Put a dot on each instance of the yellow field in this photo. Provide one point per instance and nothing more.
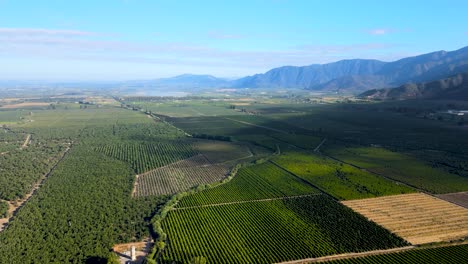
(28, 104)
(419, 218)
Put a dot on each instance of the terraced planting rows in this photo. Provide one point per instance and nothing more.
(270, 231)
(441, 255)
(259, 181)
(418, 218)
(147, 156)
(401, 167)
(179, 176)
(342, 181)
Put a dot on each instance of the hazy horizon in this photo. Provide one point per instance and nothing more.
(132, 40)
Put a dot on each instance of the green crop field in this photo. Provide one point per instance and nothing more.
(145, 156)
(439, 255)
(185, 108)
(401, 167)
(259, 193)
(271, 231)
(340, 180)
(260, 181)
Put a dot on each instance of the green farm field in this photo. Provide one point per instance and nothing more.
(340, 180)
(400, 167)
(275, 196)
(443, 255)
(271, 231)
(261, 181)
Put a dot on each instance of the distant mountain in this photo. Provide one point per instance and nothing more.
(180, 82)
(191, 80)
(360, 75)
(455, 87)
(309, 76)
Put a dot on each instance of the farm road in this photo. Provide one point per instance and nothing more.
(251, 124)
(249, 201)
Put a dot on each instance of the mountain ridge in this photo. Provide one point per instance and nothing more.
(454, 87)
(361, 74)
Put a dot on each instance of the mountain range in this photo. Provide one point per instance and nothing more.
(455, 87)
(346, 76)
(361, 75)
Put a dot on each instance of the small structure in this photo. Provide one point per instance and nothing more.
(133, 253)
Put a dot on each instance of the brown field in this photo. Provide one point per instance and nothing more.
(419, 218)
(460, 198)
(21, 105)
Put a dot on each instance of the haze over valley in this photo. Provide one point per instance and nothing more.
(262, 131)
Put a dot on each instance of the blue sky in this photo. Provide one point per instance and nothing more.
(138, 39)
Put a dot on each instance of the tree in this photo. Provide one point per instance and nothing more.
(198, 260)
(113, 259)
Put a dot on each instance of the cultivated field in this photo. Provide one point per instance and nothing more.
(418, 218)
(24, 105)
(261, 181)
(439, 255)
(145, 156)
(460, 198)
(220, 151)
(342, 181)
(400, 167)
(271, 231)
(179, 176)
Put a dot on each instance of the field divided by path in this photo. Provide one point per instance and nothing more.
(400, 167)
(438, 255)
(260, 181)
(419, 218)
(342, 181)
(271, 231)
(179, 176)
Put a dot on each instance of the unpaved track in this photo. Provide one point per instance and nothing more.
(26, 141)
(251, 124)
(249, 201)
(14, 207)
(317, 149)
(348, 255)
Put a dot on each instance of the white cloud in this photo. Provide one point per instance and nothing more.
(379, 31)
(43, 32)
(65, 45)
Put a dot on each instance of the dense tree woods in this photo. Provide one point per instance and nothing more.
(21, 168)
(82, 210)
(85, 205)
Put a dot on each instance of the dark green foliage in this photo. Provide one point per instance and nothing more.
(21, 168)
(212, 137)
(81, 211)
(338, 222)
(270, 232)
(145, 156)
(3, 209)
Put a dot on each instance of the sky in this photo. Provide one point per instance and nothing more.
(105, 40)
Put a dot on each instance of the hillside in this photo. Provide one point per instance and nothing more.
(309, 76)
(455, 87)
(360, 75)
